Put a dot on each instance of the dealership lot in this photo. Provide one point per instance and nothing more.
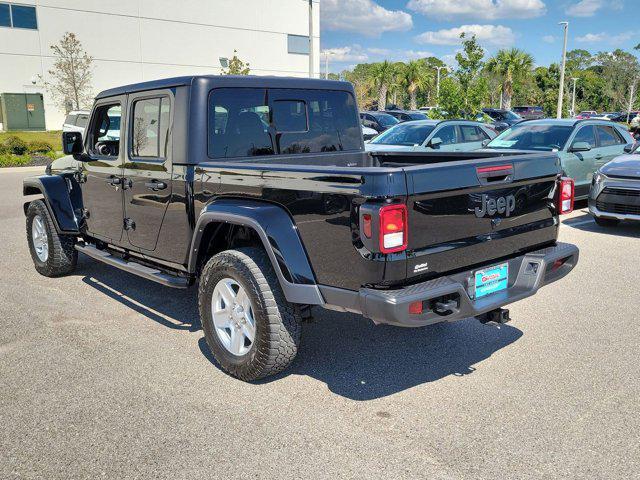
(103, 373)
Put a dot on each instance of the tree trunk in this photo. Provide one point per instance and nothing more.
(413, 100)
(507, 93)
(382, 99)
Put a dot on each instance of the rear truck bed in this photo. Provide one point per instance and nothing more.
(468, 237)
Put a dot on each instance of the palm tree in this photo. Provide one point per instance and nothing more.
(509, 65)
(414, 78)
(383, 77)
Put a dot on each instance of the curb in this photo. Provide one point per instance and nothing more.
(22, 169)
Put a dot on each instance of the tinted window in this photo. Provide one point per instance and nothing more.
(5, 15)
(532, 137)
(298, 44)
(24, 17)
(104, 137)
(608, 136)
(150, 127)
(404, 134)
(236, 123)
(332, 124)
(447, 134)
(386, 120)
(586, 134)
(471, 133)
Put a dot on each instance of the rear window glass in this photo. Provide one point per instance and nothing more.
(408, 134)
(608, 136)
(533, 137)
(253, 122)
(471, 133)
(82, 120)
(150, 127)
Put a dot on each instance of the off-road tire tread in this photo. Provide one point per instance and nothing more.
(278, 344)
(63, 257)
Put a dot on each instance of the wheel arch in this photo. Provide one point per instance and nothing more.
(268, 226)
(55, 190)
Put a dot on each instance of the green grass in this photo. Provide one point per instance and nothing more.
(53, 137)
(10, 160)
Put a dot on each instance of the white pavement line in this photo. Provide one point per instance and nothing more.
(22, 169)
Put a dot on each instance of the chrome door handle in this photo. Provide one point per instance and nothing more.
(155, 185)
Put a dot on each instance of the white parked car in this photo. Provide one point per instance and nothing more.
(368, 133)
(76, 121)
(433, 135)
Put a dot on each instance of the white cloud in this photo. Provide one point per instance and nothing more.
(588, 8)
(482, 9)
(365, 17)
(353, 53)
(603, 37)
(379, 51)
(487, 34)
(592, 37)
(549, 39)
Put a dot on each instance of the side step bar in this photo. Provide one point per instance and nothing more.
(132, 267)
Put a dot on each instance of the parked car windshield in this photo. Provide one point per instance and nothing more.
(418, 116)
(386, 120)
(533, 137)
(404, 134)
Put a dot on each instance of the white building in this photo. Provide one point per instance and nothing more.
(137, 40)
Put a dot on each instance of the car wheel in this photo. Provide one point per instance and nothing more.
(606, 222)
(251, 329)
(53, 254)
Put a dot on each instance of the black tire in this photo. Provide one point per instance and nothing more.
(606, 222)
(278, 323)
(62, 256)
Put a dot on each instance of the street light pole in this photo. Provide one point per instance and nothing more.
(573, 97)
(326, 64)
(438, 84)
(564, 61)
(311, 62)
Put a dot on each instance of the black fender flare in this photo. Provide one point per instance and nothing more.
(279, 237)
(60, 194)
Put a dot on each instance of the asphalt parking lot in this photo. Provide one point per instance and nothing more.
(103, 374)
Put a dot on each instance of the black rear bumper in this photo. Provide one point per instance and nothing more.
(527, 273)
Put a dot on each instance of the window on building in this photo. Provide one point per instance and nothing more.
(298, 44)
(5, 15)
(23, 16)
(150, 128)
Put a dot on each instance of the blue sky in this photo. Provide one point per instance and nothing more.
(357, 31)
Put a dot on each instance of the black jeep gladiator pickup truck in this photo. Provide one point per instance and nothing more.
(259, 191)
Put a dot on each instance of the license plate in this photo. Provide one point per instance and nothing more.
(492, 279)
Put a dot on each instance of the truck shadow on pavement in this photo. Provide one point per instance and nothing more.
(353, 357)
(586, 223)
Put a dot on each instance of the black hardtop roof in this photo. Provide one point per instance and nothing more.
(229, 81)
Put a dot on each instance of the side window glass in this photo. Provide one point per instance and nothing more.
(104, 137)
(471, 133)
(447, 134)
(69, 120)
(608, 136)
(239, 123)
(585, 134)
(150, 127)
(82, 120)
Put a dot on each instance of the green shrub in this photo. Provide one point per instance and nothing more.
(15, 145)
(7, 160)
(37, 146)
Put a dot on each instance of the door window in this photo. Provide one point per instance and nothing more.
(608, 136)
(150, 127)
(471, 133)
(447, 134)
(586, 134)
(104, 137)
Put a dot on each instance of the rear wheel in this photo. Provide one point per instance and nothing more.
(53, 254)
(251, 329)
(606, 222)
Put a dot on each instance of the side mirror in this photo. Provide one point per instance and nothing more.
(71, 143)
(580, 147)
(435, 142)
(630, 147)
(485, 142)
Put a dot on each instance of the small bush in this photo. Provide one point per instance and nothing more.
(7, 160)
(15, 145)
(37, 146)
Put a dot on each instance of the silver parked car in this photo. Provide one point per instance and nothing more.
(432, 135)
(76, 121)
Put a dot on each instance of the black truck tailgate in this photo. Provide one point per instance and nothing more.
(472, 212)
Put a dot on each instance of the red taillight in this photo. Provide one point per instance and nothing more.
(566, 193)
(415, 308)
(494, 168)
(393, 228)
(366, 225)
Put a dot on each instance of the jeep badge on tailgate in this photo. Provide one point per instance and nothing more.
(492, 206)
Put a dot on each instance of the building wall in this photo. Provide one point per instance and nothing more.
(137, 40)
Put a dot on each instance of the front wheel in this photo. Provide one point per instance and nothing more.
(251, 329)
(606, 222)
(53, 254)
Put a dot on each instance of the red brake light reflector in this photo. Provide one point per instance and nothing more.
(566, 194)
(415, 308)
(495, 168)
(393, 228)
(366, 225)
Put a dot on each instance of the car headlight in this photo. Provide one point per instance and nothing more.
(597, 178)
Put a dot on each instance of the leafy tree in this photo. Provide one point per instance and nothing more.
(451, 103)
(383, 76)
(469, 67)
(621, 69)
(236, 66)
(362, 79)
(510, 65)
(415, 77)
(70, 78)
